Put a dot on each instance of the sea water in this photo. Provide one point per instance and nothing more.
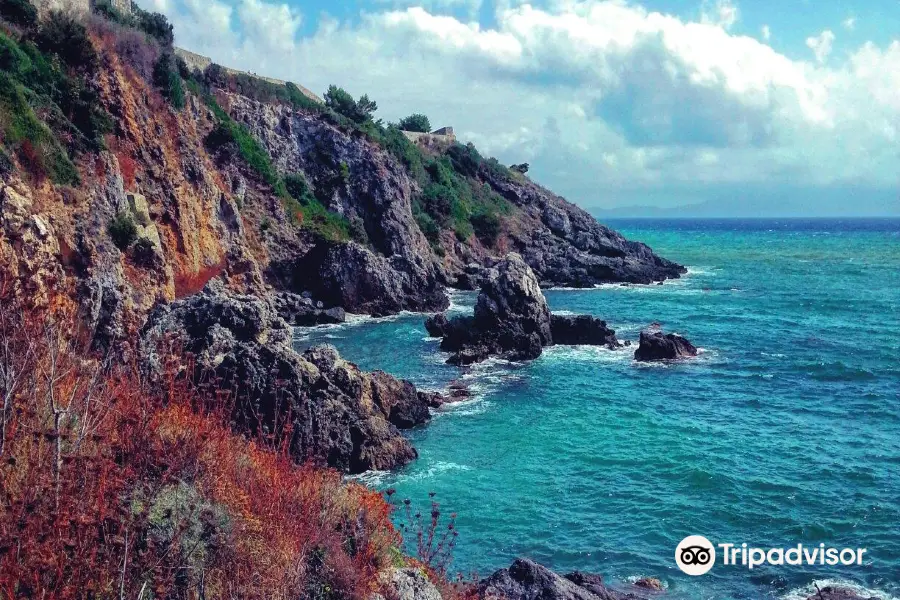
(785, 430)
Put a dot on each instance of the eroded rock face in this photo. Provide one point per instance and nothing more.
(304, 312)
(341, 416)
(412, 584)
(659, 346)
(351, 276)
(582, 330)
(527, 580)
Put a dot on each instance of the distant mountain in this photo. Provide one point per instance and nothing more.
(821, 202)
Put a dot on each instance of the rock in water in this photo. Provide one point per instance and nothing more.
(659, 346)
(512, 320)
(300, 311)
(527, 580)
(839, 593)
(341, 416)
(512, 305)
(583, 329)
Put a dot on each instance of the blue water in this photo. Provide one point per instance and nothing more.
(785, 430)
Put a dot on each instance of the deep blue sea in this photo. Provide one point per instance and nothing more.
(785, 430)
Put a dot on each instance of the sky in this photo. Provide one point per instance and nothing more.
(752, 108)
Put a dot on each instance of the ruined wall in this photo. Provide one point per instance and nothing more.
(198, 61)
(430, 139)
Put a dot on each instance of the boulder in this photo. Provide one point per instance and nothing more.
(436, 325)
(413, 584)
(339, 415)
(527, 580)
(582, 330)
(839, 593)
(660, 346)
(650, 583)
(301, 312)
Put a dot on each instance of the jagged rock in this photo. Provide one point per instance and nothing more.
(340, 415)
(299, 311)
(527, 580)
(839, 593)
(659, 346)
(413, 584)
(512, 320)
(436, 325)
(582, 329)
(432, 399)
(349, 275)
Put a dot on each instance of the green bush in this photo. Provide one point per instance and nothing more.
(298, 188)
(62, 35)
(19, 12)
(122, 230)
(415, 122)
(358, 111)
(167, 78)
(486, 227)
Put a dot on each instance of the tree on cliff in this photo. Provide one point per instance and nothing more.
(340, 101)
(416, 122)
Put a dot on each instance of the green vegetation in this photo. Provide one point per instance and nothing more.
(122, 230)
(415, 122)
(167, 78)
(154, 25)
(341, 102)
(298, 201)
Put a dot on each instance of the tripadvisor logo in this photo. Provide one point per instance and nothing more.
(696, 555)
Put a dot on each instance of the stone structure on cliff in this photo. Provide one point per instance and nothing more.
(444, 135)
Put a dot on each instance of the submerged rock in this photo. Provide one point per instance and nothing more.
(583, 329)
(660, 346)
(339, 415)
(527, 580)
(650, 583)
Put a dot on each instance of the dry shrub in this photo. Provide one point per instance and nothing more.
(113, 487)
(133, 47)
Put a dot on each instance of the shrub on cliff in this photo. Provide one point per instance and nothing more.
(60, 34)
(19, 12)
(340, 101)
(167, 78)
(415, 122)
(114, 487)
(123, 230)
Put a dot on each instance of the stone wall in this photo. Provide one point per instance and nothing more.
(74, 6)
(430, 139)
(198, 61)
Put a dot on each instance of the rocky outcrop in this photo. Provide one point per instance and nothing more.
(349, 275)
(659, 346)
(303, 311)
(339, 415)
(527, 580)
(839, 593)
(566, 246)
(512, 320)
(582, 330)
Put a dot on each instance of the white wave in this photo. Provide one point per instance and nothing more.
(588, 353)
(436, 469)
(810, 590)
(372, 479)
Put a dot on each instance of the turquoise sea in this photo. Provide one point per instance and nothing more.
(785, 430)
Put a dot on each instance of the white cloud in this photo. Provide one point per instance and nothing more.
(723, 13)
(766, 33)
(591, 91)
(849, 23)
(821, 45)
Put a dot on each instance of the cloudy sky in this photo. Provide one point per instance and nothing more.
(749, 108)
